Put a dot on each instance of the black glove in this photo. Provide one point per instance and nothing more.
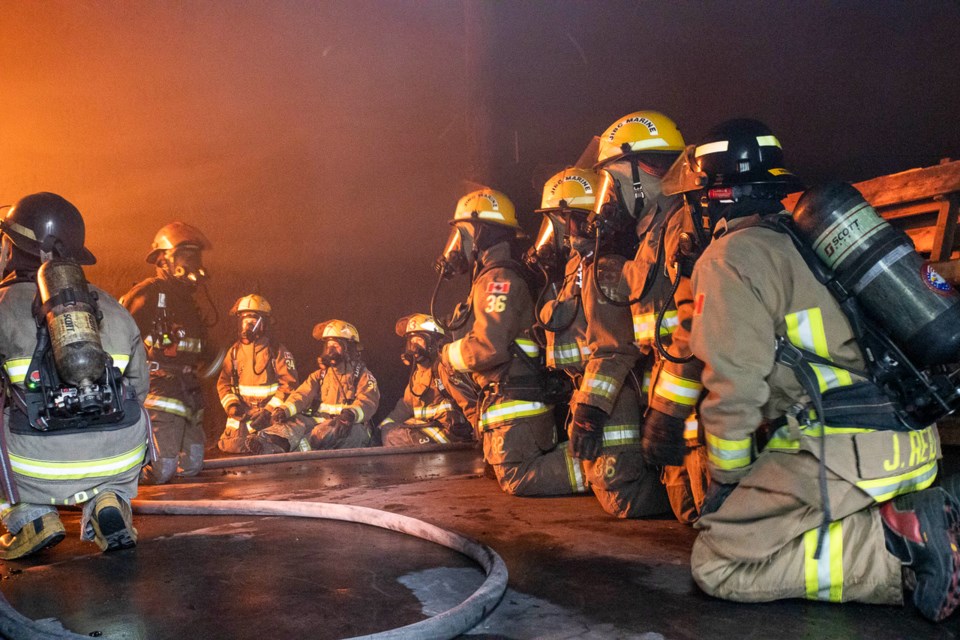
(343, 422)
(280, 415)
(236, 411)
(586, 435)
(663, 442)
(260, 420)
(717, 493)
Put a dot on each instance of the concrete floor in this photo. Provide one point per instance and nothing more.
(574, 571)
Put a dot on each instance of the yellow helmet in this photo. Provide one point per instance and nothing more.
(174, 235)
(336, 329)
(252, 302)
(571, 188)
(486, 205)
(418, 322)
(639, 132)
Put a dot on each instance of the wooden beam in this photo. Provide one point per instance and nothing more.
(946, 227)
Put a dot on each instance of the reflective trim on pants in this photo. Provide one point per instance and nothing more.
(824, 576)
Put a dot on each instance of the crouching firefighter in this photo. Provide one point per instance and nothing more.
(175, 336)
(493, 371)
(592, 341)
(838, 499)
(74, 380)
(257, 374)
(426, 414)
(635, 153)
(333, 407)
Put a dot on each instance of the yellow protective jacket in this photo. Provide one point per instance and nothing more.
(674, 388)
(258, 375)
(71, 467)
(425, 405)
(329, 390)
(751, 286)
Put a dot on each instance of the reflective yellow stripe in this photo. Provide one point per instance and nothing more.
(691, 428)
(49, 470)
(258, 391)
(567, 353)
(883, 489)
(17, 369)
(190, 345)
(275, 402)
(645, 384)
(334, 409)
(678, 390)
(120, 361)
(619, 435)
(232, 424)
(359, 411)
(429, 412)
(229, 399)
(805, 329)
(644, 323)
(574, 472)
(436, 434)
(729, 454)
(455, 355)
(531, 348)
(823, 577)
(601, 385)
(506, 411)
(168, 405)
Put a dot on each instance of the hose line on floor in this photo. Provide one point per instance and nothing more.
(448, 624)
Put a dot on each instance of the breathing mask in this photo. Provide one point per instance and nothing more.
(460, 253)
(333, 352)
(185, 263)
(418, 348)
(252, 327)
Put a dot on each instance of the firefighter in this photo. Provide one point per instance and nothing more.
(826, 510)
(634, 154)
(592, 341)
(493, 370)
(333, 407)
(89, 453)
(257, 374)
(175, 336)
(426, 414)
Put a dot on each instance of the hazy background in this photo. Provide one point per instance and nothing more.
(322, 146)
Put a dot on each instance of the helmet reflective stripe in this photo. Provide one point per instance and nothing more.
(22, 230)
(712, 147)
(654, 143)
(571, 187)
(768, 141)
(54, 470)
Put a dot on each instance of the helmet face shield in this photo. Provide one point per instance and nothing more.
(333, 351)
(550, 249)
(252, 326)
(685, 174)
(457, 256)
(418, 348)
(185, 263)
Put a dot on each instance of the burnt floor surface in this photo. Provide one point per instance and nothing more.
(574, 571)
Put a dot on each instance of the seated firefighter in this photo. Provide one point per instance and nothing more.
(333, 406)
(426, 414)
(257, 375)
(75, 374)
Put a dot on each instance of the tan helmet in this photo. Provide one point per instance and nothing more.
(486, 205)
(572, 189)
(418, 322)
(639, 132)
(174, 235)
(252, 302)
(336, 329)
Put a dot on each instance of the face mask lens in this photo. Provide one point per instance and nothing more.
(453, 261)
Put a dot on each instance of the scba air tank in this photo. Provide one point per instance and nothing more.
(72, 323)
(875, 262)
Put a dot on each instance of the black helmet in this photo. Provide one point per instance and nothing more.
(743, 152)
(47, 223)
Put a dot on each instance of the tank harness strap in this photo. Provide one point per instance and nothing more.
(7, 482)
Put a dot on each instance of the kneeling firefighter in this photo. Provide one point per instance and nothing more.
(257, 375)
(175, 336)
(494, 370)
(820, 479)
(333, 407)
(592, 341)
(75, 376)
(426, 414)
(634, 154)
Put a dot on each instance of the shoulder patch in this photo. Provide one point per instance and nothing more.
(498, 286)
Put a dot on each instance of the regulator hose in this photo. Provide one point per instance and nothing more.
(448, 624)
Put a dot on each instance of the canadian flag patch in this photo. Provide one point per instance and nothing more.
(698, 304)
(498, 287)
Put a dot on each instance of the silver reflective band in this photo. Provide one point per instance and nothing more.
(711, 147)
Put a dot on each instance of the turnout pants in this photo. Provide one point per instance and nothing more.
(687, 485)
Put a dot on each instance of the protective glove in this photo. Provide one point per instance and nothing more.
(343, 422)
(717, 493)
(586, 435)
(261, 420)
(280, 415)
(663, 442)
(236, 411)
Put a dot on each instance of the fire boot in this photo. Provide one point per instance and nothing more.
(112, 523)
(663, 442)
(267, 443)
(922, 530)
(45, 531)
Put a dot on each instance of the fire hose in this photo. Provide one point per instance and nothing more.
(447, 624)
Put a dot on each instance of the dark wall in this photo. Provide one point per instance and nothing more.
(323, 146)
